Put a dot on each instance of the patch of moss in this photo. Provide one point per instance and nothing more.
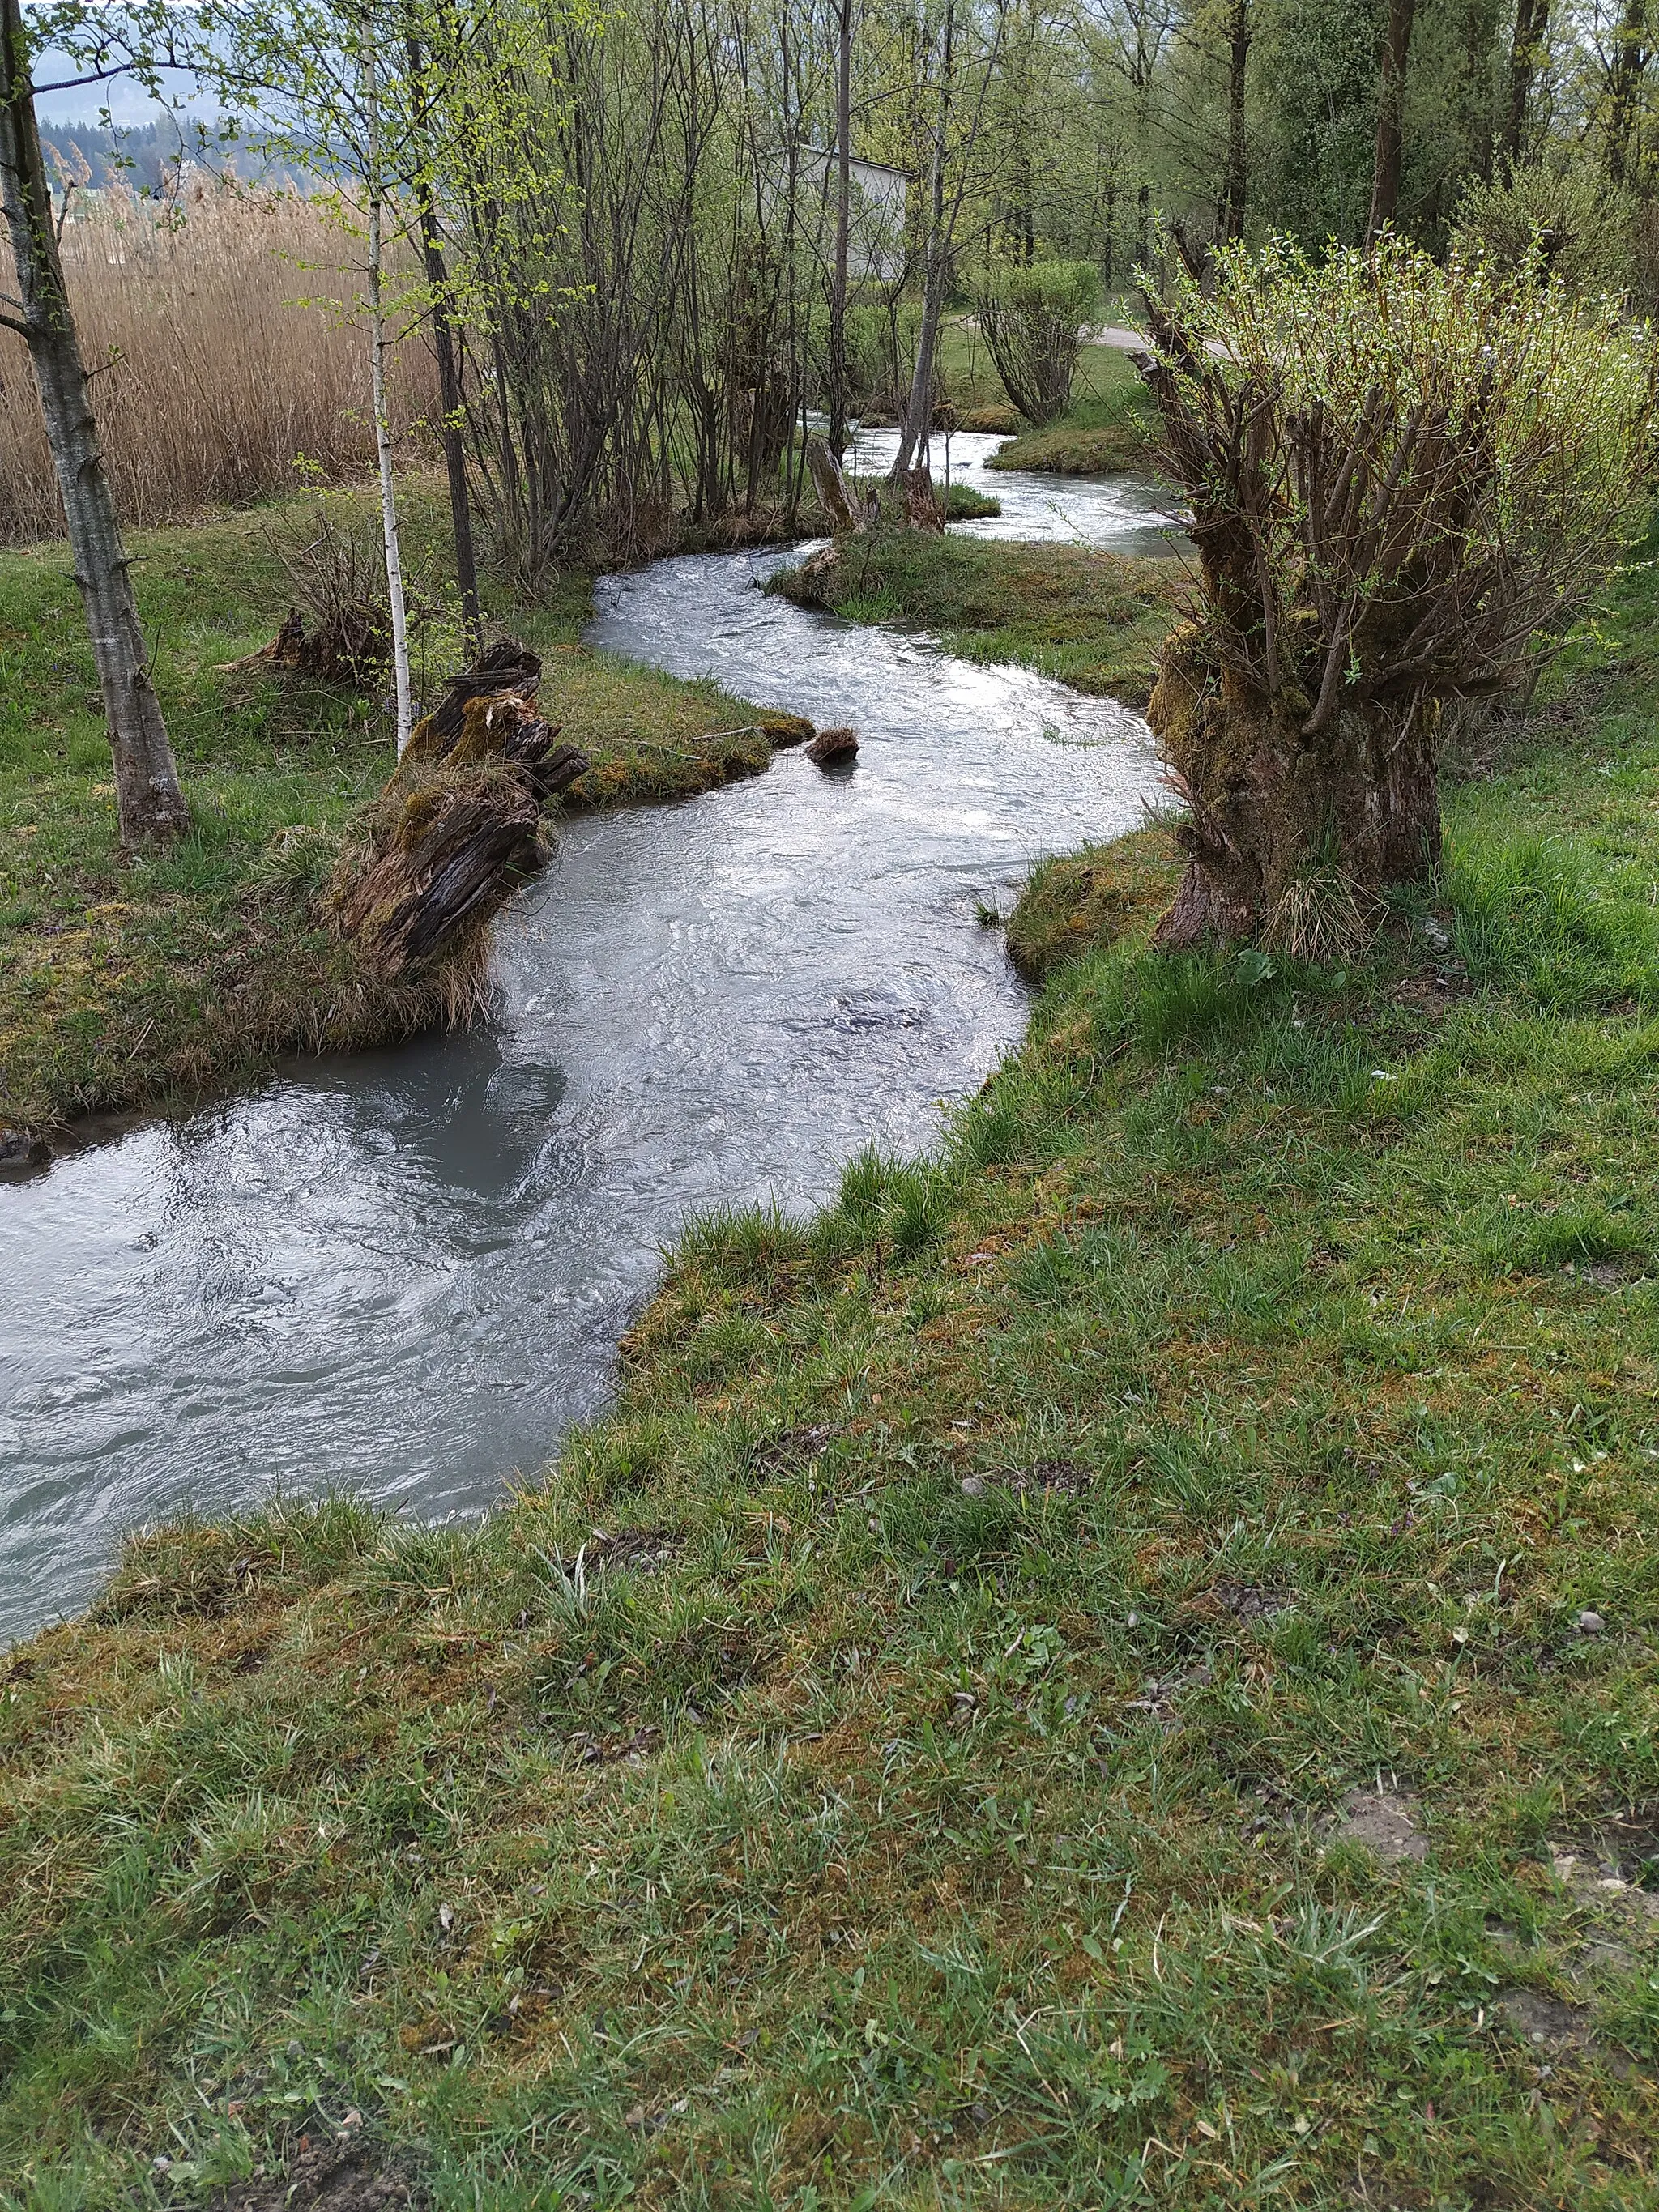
(1078, 903)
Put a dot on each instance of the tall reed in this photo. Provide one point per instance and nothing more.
(222, 374)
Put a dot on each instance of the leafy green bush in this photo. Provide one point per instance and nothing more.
(1032, 318)
(1563, 223)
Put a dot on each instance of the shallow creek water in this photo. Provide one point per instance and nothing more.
(406, 1271)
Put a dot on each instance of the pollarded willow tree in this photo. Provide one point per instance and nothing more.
(1406, 481)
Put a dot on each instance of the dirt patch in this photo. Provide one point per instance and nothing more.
(1381, 1820)
(1045, 1478)
(636, 1746)
(1052, 1478)
(1610, 1871)
(795, 1447)
(1156, 1701)
(345, 2175)
(1546, 2022)
(1250, 1601)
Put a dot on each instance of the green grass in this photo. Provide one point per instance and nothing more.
(900, 1758)
(1095, 620)
(124, 982)
(1109, 428)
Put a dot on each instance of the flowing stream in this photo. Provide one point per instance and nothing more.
(406, 1271)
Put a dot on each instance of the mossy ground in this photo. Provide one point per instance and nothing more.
(1109, 428)
(127, 981)
(1095, 620)
(900, 1758)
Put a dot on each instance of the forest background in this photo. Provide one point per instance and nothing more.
(633, 218)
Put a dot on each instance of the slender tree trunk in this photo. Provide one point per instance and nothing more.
(394, 571)
(1476, 119)
(148, 802)
(1532, 24)
(1625, 74)
(449, 398)
(1390, 116)
(919, 413)
(843, 212)
(1239, 33)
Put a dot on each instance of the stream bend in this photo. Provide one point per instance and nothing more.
(406, 1271)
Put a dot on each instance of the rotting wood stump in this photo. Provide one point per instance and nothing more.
(828, 481)
(459, 826)
(923, 509)
(353, 643)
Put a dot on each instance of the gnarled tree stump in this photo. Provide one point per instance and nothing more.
(459, 824)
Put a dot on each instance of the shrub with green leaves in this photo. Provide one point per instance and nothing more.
(1550, 220)
(1032, 318)
(1407, 482)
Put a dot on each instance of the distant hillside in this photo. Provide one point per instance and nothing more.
(145, 157)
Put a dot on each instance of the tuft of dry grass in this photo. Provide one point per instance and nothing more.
(1324, 916)
(225, 369)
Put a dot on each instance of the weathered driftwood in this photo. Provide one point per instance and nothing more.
(834, 496)
(459, 825)
(832, 746)
(352, 644)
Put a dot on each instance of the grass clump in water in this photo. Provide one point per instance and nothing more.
(1110, 428)
(1094, 620)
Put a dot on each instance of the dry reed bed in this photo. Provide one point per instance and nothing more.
(219, 364)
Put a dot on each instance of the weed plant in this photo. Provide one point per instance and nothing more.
(219, 331)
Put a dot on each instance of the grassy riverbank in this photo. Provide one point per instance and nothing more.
(1095, 620)
(124, 982)
(1116, 1668)
(1108, 426)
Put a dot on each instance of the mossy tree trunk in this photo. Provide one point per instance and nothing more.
(149, 805)
(1272, 806)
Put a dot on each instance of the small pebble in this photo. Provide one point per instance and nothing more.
(1131, 1621)
(1590, 1624)
(973, 1486)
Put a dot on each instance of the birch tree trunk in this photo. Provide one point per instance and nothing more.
(394, 572)
(449, 398)
(148, 802)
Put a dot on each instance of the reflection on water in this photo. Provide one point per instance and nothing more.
(407, 1270)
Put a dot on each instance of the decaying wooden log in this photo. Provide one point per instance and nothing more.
(506, 669)
(459, 824)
